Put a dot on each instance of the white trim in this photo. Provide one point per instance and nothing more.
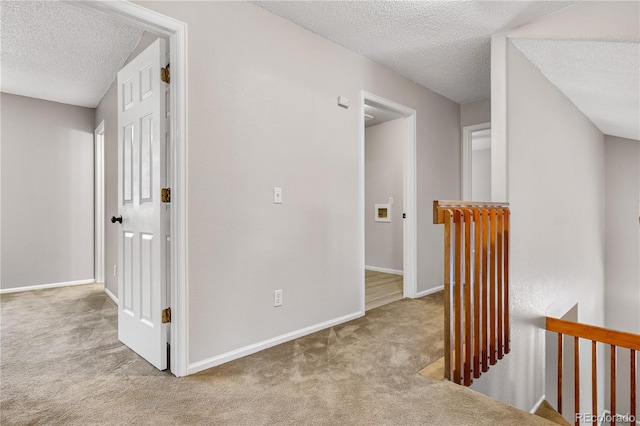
(499, 120)
(99, 205)
(176, 31)
(361, 223)
(410, 249)
(265, 344)
(538, 404)
(465, 167)
(384, 270)
(111, 296)
(429, 291)
(45, 286)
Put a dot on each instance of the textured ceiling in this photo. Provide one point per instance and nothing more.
(56, 51)
(601, 78)
(442, 45)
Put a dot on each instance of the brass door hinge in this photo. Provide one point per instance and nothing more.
(166, 195)
(165, 74)
(166, 315)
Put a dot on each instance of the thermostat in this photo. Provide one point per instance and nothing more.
(343, 102)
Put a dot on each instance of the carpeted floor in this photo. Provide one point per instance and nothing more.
(61, 363)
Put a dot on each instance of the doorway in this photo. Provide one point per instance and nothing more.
(387, 201)
(175, 32)
(476, 162)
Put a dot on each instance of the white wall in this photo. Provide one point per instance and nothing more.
(47, 192)
(263, 112)
(622, 253)
(107, 111)
(481, 174)
(555, 159)
(556, 191)
(622, 297)
(476, 112)
(384, 178)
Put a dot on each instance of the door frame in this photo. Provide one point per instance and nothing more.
(465, 166)
(99, 206)
(176, 32)
(410, 247)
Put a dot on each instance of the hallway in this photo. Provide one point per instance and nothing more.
(61, 363)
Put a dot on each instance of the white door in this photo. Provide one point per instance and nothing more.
(143, 233)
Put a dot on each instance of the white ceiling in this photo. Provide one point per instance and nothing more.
(380, 115)
(56, 51)
(59, 52)
(445, 46)
(442, 45)
(601, 78)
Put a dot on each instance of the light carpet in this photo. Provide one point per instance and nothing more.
(61, 364)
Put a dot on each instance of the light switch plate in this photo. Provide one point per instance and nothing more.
(277, 195)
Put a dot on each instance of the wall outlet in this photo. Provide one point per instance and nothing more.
(115, 270)
(277, 298)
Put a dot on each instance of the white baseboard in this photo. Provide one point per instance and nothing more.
(265, 344)
(385, 270)
(111, 295)
(538, 404)
(45, 286)
(428, 292)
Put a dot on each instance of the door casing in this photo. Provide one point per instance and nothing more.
(99, 220)
(410, 263)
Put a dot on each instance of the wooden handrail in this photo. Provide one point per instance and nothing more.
(592, 332)
(440, 206)
(615, 339)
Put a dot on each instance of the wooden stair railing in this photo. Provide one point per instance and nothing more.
(476, 286)
(615, 339)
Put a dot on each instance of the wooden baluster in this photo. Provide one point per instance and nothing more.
(507, 348)
(467, 297)
(477, 220)
(576, 372)
(447, 294)
(456, 298)
(485, 297)
(492, 291)
(614, 339)
(499, 282)
(594, 381)
(613, 385)
(560, 344)
(632, 404)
